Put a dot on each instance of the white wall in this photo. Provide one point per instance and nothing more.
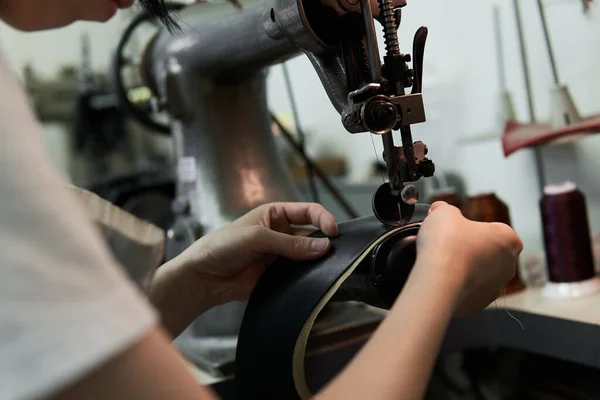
(48, 51)
(460, 90)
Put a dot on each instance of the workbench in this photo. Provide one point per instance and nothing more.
(567, 329)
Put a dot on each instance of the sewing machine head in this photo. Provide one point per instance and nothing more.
(370, 95)
(192, 74)
(379, 104)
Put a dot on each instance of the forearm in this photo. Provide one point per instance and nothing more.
(177, 296)
(150, 369)
(397, 362)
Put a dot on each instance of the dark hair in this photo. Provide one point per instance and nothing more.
(160, 10)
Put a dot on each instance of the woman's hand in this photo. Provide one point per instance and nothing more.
(480, 258)
(225, 265)
(230, 261)
(461, 267)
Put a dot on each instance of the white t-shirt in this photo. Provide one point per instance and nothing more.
(66, 307)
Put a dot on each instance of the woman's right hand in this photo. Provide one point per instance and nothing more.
(481, 258)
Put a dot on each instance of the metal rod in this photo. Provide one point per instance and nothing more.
(310, 175)
(391, 162)
(375, 67)
(539, 163)
(500, 48)
(348, 209)
(293, 105)
(409, 153)
(524, 61)
(548, 42)
(371, 37)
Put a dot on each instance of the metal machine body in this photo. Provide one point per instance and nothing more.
(211, 80)
(227, 158)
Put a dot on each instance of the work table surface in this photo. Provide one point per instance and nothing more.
(567, 329)
(585, 309)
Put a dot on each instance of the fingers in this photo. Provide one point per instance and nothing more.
(300, 231)
(265, 241)
(308, 214)
(276, 219)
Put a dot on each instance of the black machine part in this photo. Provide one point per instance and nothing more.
(389, 208)
(392, 262)
(379, 280)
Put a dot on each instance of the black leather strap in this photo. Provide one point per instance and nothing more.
(286, 302)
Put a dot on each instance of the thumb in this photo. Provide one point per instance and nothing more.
(436, 205)
(266, 241)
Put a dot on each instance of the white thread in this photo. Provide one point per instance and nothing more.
(498, 316)
(508, 312)
(376, 156)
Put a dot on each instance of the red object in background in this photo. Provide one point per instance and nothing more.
(519, 136)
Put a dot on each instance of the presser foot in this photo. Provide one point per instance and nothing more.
(395, 208)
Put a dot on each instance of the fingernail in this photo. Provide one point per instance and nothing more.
(336, 229)
(319, 245)
(331, 230)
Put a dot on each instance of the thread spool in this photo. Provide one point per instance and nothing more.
(489, 208)
(569, 254)
(447, 195)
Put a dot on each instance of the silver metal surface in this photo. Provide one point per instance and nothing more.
(218, 41)
(212, 79)
(537, 151)
(375, 69)
(221, 125)
(372, 46)
(413, 109)
(227, 156)
(410, 195)
(238, 166)
(387, 16)
(330, 69)
(371, 87)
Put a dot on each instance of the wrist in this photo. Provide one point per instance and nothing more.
(441, 275)
(178, 295)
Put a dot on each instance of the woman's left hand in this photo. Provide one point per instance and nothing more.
(225, 265)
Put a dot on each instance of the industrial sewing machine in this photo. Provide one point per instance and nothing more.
(210, 79)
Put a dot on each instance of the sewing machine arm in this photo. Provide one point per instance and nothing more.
(338, 37)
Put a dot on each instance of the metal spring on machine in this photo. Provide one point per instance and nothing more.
(388, 20)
